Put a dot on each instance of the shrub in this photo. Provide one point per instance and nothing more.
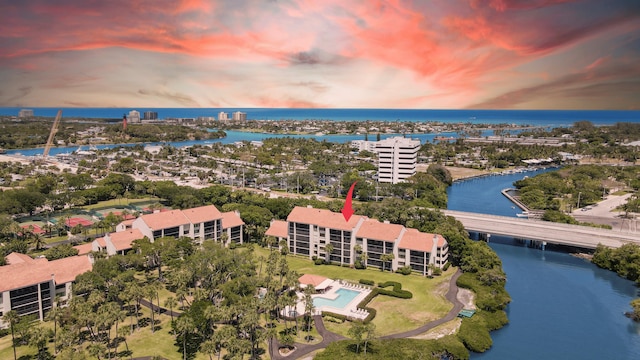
(319, 261)
(446, 266)
(367, 282)
(474, 334)
(335, 316)
(396, 292)
(405, 270)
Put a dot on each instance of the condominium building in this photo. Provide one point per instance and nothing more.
(201, 223)
(134, 116)
(223, 116)
(239, 116)
(308, 232)
(364, 145)
(397, 158)
(25, 113)
(150, 115)
(30, 286)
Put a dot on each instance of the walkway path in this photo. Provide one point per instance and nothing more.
(452, 296)
(329, 337)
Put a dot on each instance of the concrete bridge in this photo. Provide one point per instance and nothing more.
(543, 231)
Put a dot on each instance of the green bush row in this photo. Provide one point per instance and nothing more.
(397, 290)
(367, 282)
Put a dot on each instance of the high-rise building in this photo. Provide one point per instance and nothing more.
(239, 116)
(25, 113)
(397, 157)
(134, 116)
(150, 115)
(223, 116)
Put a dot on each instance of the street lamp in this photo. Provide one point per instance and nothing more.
(579, 194)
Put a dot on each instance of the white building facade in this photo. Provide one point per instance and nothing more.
(397, 158)
(309, 231)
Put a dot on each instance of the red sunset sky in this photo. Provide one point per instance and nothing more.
(430, 54)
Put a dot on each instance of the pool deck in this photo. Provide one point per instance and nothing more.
(351, 309)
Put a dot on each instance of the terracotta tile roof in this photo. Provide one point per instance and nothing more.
(310, 279)
(416, 240)
(122, 240)
(202, 214)
(374, 229)
(84, 248)
(323, 218)
(101, 242)
(17, 258)
(278, 228)
(441, 240)
(127, 222)
(163, 220)
(231, 219)
(22, 272)
(68, 269)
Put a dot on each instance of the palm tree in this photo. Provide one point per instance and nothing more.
(328, 250)
(123, 332)
(150, 291)
(309, 308)
(38, 240)
(54, 315)
(171, 302)
(209, 347)
(12, 318)
(385, 258)
(38, 337)
(184, 326)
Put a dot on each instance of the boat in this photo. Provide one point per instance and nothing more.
(524, 214)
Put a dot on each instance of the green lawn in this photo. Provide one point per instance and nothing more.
(394, 315)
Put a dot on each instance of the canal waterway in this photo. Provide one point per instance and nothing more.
(237, 136)
(562, 307)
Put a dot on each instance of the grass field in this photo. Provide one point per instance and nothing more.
(394, 315)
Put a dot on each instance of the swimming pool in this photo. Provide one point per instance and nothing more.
(344, 297)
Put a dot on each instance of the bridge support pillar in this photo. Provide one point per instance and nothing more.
(484, 236)
(544, 243)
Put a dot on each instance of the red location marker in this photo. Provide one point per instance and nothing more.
(347, 210)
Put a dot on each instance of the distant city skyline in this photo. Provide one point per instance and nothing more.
(438, 54)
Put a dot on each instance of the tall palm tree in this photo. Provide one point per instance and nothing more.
(12, 318)
(328, 249)
(171, 302)
(184, 326)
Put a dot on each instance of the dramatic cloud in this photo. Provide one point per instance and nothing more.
(331, 53)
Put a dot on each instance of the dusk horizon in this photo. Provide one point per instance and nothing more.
(434, 55)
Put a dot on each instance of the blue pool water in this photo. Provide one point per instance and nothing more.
(344, 297)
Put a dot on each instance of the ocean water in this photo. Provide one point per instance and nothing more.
(555, 118)
(562, 307)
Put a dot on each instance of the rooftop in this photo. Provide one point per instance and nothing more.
(23, 271)
(166, 219)
(278, 228)
(231, 219)
(323, 218)
(201, 214)
(374, 229)
(122, 240)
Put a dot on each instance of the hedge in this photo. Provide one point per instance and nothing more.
(397, 290)
(367, 282)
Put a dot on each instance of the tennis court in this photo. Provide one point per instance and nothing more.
(102, 213)
(74, 221)
(34, 228)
